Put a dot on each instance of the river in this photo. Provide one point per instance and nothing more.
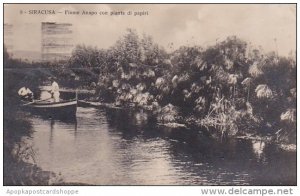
(121, 147)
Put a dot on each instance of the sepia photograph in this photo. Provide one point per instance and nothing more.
(149, 94)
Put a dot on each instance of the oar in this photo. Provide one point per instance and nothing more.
(37, 101)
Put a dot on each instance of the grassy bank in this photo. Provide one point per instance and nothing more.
(19, 162)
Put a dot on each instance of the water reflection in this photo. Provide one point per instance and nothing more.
(141, 117)
(126, 147)
(258, 148)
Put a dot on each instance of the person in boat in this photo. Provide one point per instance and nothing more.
(26, 94)
(54, 90)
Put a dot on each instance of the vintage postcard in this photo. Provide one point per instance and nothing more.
(149, 94)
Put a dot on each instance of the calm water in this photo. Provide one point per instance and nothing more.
(115, 147)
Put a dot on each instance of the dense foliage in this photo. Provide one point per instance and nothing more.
(230, 88)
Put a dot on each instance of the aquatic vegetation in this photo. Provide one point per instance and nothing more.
(200, 104)
(289, 116)
(255, 70)
(223, 117)
(168, 114)
(263, 91)
(228, 86)
(293, 92)
(210, 85)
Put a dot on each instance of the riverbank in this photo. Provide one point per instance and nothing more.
(19, 163)
(19, 167)
(168, 116)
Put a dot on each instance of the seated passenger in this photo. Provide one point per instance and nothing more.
(26, 94)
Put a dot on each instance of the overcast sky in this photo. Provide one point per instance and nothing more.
(181, 24)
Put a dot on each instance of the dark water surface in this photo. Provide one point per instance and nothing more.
(117, 147)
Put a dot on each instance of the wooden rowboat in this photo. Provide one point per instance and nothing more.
(63, 109)
(83, 103)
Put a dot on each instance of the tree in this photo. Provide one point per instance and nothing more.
(6, 56)
(84, 57)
